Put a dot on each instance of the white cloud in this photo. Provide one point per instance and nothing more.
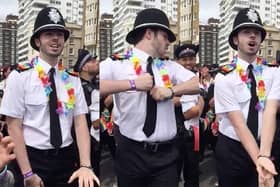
(8, 7)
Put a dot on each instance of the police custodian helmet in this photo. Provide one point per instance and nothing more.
(48, 18)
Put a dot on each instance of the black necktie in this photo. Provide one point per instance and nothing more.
(252, 120)
(151, 116)
(55, 131)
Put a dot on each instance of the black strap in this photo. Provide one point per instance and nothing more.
(252, 120)
(55, 130)
(151, 116)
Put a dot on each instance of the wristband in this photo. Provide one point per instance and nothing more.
(265, 156)
(172, 93)
(28, 174)
(132, 84)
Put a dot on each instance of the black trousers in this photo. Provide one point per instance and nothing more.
(188, 160)
(234, 165)
(144, 165)
(54, 167)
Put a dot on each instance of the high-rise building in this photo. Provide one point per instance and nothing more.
(69, 55)
(271, 45)
(208, 42)
(124, 14)
(8, 41)
(90, 30)
(105, 36)
(188, 19)
(269, 11)
(72, 11)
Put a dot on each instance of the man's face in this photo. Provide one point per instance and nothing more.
(50, 43)
(248, 41)
(92, 67)
(160, 43)
(188, 62)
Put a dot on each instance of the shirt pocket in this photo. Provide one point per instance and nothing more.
(36, 96)
(242, 93)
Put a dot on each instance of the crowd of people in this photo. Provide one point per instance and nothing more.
(157, 116)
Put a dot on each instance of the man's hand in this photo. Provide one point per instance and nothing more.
(266, 169)
(161, 93)
(6, 150)
(96, 124)
(85, 176)
(144, 82)
(33, 181)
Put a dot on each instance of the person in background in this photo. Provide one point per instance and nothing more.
(6, 155)
(191, 108)
(87, 66)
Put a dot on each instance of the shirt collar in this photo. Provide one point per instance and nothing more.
(46, 66)
(244, 64)
(141, 54)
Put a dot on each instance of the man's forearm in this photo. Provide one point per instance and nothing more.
(15, 131)
(113, 86)
(269, 127)
(83, 140)
(244, 134)
(189, 87)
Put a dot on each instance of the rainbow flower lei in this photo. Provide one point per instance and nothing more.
(258, 69)
(138, 68)
(62, 107)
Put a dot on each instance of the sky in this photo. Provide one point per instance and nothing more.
(208, 8)
(8, 7)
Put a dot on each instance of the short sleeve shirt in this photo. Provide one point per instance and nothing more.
(25, 98)
(130, 106)
(232, 94)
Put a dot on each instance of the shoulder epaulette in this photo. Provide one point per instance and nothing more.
(118, 56)
(23, 67)
(227, 68)
(73, 73)
(271, 64)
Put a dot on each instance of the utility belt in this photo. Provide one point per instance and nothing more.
(191, 135)
(148, 146)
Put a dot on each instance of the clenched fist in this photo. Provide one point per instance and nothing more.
(161, 93)
(144, 82)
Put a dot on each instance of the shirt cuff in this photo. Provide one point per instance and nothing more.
(3, 172)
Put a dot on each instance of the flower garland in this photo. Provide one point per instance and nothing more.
(258, 69)
(138, 68)
(62, 108)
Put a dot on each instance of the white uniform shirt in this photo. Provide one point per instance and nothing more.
(130, 107)
(25, 98)
(232, 94)
(187, 102)
(94, 113)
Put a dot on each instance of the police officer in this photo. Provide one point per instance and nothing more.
(240, 95)
(88, 68)
(146, 153)
(192, 106)
(41, 102)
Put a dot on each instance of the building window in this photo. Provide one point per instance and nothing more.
(71, 51)
(269, 52)
(269, 43)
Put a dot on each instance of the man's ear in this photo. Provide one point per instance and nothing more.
(37, 42)
(235, 40)
(149, 33)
